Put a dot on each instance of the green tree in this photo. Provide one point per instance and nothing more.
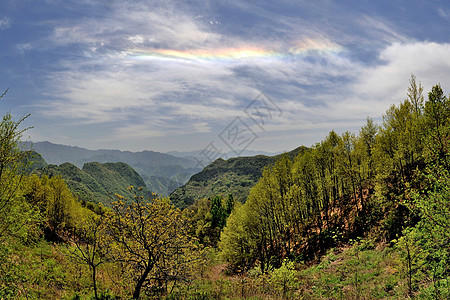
(284, 278)
(89, 246)
(12, 157)
(427, 244)
(59, 208)
(151, 236)
(267, 218)
(229, 205)
(437, 120)
(218, 213)
(415, 94)
(239, 239)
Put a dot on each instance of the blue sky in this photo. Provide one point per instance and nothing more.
(180, 75)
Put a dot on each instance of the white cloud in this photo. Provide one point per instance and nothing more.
(445, 13)
(387, 83)
(22, 48)
(5, 23)
(129, 24)
(381, 30)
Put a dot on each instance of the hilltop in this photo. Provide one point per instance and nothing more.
(234, 176)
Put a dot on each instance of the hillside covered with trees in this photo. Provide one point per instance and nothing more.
(235, 176)
(361, 215)
(96, 182)
(162, 173)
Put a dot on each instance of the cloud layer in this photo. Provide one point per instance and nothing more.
(144, 75)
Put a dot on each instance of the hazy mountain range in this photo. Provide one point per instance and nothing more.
(161, 172)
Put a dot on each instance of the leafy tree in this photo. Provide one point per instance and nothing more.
(284, 277)
(415, 94)
(208, 216)
(305, 191)
(12, 156)
(437, 108)
(152, 238)
(90, 246)
(59, 209)
(238, 240)
(426, 246)
(267, 218)
(437, 120)
(229, 205)
(218, 213)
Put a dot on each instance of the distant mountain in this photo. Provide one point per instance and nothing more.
(161, 172)
(235, 175)
(97, 182)
(199, 154)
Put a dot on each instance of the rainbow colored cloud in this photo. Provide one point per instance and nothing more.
(234, 54)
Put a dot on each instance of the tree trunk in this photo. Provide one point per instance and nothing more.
(137, 289)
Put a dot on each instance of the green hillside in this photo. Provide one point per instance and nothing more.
(34, 161)
(234, 176)
(97, 182)
(161, 172)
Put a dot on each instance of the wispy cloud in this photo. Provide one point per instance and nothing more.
(443, 12)
(5, 23)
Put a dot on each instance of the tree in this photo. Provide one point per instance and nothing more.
(415, 94)
(90, 247)
(437, 119)
(284, 278)
(266, 220)
(12, 157)
(239, 239)
(218, 213)
(229, 205)
(152, 238)
(59, 208)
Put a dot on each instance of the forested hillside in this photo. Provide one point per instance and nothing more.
(235, 176)
(161, 172)
(96, 182)
(361, 215)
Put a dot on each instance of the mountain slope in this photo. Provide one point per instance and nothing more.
(33, 162)
(97, 182)
(235, 175)
(162, 172)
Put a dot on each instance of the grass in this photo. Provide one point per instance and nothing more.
(358, 271)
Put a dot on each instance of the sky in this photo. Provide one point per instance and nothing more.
(221, 75)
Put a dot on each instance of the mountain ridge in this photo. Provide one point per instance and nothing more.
(172, 171)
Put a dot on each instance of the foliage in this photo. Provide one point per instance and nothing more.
(284, 278)
(12, 158)
(59, 209)
(152, 238)
(357, 216)
(348, 185)
(426, 246)
(208, 217)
